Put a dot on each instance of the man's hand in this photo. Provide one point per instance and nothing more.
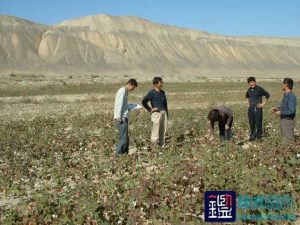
(277, 113)
(154, 110)
(274, 109)
(118, 120)
(260, 105)
(226, 127)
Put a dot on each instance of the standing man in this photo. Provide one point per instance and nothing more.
(121, 115)
(255, 108)
(287, 111)
(159, 112)
(224, 117)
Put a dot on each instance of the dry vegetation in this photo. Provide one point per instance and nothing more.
(57, 155)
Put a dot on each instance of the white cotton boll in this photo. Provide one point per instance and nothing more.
(196, 189)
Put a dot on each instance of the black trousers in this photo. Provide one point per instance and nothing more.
(223, 133)
(255, 116)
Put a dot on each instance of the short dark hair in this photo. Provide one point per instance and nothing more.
(156, 80)
(213, 115)
(133, 82)
(289, 82)
(250, 79)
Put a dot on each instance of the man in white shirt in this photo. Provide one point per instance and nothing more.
(121, 115)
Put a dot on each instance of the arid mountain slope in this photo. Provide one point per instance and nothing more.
(102, 44)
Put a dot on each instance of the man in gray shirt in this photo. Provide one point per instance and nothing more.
(121, 115)
(287, 111)
(224, 117)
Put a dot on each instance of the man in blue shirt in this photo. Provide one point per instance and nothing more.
(287, 111)
(159, 112)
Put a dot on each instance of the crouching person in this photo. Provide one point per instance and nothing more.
(224, 117)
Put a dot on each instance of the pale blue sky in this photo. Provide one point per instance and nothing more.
(230, 17)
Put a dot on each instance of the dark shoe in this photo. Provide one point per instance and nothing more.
(259, 139)
(251, 139)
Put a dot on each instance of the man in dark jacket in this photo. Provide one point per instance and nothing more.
(255, 108)
(224, 117)
(159, 112)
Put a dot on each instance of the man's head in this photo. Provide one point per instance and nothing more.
(131, 84)
(158, 82)
(251, 82)
(213, 115)
(288, 84)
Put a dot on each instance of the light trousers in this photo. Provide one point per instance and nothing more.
(159, 129)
